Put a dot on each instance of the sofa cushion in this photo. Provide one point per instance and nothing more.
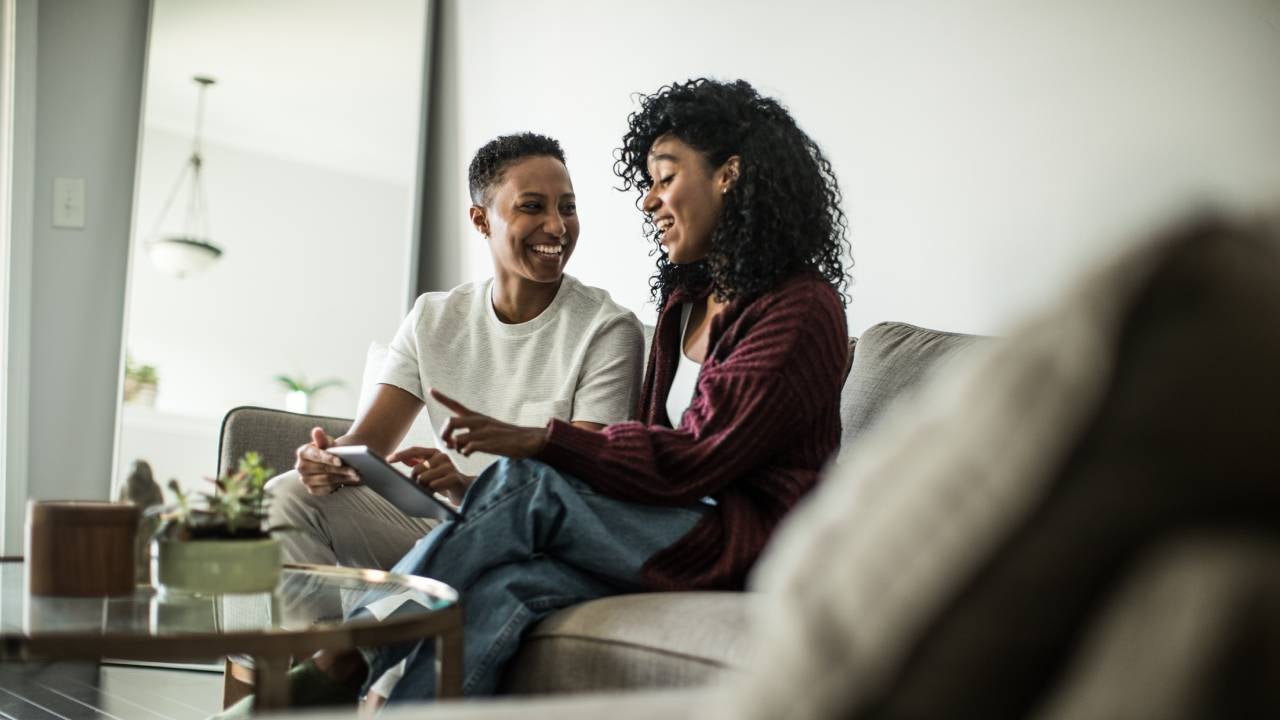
(633, 641)
(948, 568)
(892, 359)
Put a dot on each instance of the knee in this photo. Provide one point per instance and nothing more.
(288, 497)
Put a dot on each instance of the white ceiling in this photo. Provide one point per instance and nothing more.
(327, 82)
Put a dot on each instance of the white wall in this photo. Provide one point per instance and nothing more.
(85, 107)
(17, 297)
(312, 272)
(987, 150)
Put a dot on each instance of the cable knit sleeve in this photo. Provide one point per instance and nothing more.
(785, 357)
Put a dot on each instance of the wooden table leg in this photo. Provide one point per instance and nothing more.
(449, 663)
(237, 682)
(271, 683)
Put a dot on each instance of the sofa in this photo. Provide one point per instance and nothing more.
(1081, 520)
(647, 640)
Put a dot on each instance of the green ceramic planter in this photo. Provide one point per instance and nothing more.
(216, 566)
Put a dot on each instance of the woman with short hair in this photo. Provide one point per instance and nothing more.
(530, 344)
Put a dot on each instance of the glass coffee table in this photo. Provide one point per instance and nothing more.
(305, 614)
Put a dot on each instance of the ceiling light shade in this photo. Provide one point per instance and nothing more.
(189, 251)
(182, 256)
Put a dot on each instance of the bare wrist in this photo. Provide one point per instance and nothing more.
(540, 438)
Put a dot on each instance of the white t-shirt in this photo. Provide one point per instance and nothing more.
(580, 359)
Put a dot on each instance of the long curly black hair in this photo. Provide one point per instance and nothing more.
(781, 217)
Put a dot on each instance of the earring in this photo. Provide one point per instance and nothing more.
(725, 191)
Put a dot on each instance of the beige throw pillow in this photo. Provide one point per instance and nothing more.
(861, 574)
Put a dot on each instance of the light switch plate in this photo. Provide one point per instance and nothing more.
(68, 203)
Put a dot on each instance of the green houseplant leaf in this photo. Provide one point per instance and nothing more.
(236, 509)
(300, 384)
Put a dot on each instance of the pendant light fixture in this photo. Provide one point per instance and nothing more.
(191, 250)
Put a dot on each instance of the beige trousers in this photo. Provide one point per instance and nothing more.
(354, 527)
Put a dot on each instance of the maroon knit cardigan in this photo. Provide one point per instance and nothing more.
(764, 419)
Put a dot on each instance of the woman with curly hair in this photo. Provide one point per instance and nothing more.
(739, 406)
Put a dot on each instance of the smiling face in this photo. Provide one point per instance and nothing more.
(531, 220)
(686, 197)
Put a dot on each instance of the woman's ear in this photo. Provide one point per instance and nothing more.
(480, 219)
(727, 175)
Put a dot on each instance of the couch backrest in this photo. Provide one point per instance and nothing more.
(892, 359)
(273, 434)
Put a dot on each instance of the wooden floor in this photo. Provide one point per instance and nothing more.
(110, 692)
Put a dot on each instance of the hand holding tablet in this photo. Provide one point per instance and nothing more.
(400, 490)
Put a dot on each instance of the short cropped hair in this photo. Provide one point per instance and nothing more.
(492, 160)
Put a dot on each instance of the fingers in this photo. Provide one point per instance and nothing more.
(451, 486)
(413, 455)
(453, 405)
(343, 473)
(459, 430)
(321, 472)
(451, 426)
(461, 433)
(311, 453)
(467, 443)
(434, 474)
(320, 439)
(319, 484)
(324, 483)
(495, 438)
(430, 470)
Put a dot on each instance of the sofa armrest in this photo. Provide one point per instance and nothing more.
(273, 434)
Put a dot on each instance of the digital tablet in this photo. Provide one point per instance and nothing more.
(399, 489)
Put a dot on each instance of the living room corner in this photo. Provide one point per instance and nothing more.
(1059, 215)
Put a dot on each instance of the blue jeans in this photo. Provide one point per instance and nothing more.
(529, 540)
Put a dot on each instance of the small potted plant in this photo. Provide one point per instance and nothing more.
(219, 542)
(140, 383)
(298, 391)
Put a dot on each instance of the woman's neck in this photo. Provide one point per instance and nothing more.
(517, 299)
(697, 333)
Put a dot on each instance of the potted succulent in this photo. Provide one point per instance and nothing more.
(140, 383)
(298, 391)
(219, 542)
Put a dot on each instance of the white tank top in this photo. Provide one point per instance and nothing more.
(680, 396)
